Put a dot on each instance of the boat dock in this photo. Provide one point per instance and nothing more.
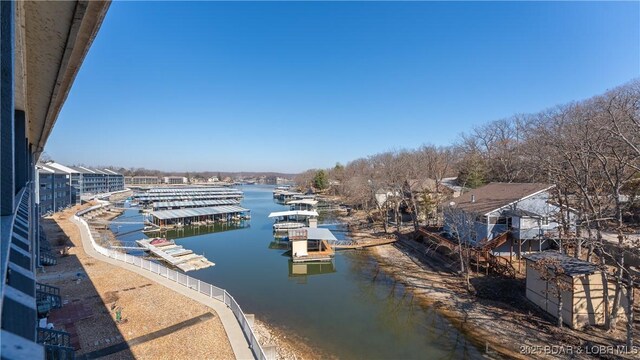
(311, 244)
(199, 216)
(294, 219)
(170, 205)
(176, 255)
(187, 194)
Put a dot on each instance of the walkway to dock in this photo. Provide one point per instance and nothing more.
(234, 332)
(364, 244)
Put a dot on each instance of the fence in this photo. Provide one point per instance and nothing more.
(202, 287)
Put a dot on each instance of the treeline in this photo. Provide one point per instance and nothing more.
(589, 149)
(194, 174)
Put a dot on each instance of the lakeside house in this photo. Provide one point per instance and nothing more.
(515, 215)
(429, 193)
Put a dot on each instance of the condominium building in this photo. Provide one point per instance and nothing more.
(54, 190)
(91, 181)
(44, 42)
(142, 180)
(175, 180)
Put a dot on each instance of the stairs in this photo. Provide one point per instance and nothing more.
(495, 242)
(57, 344)
(501, 266)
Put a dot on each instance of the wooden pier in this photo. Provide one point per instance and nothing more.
(176, 255)
(363, 244)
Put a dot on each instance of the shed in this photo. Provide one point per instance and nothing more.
(583, 304)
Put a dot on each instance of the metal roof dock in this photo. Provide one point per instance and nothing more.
(168, 205)
(293, 213)
(191, 189)
(195, 216)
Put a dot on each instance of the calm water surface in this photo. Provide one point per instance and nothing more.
(346, 308)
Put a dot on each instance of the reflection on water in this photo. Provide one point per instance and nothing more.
(300, 271)
(195, 230)
(347, 307)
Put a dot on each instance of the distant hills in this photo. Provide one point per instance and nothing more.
(198, 174)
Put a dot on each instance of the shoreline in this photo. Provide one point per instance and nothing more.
(496, 326)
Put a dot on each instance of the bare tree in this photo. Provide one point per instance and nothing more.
(461, 225)
(551, 271)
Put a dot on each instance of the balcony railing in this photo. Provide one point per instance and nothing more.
(18, 261)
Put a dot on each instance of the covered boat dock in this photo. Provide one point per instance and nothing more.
(198, 216)
(186, 196)
(294, 219)
(168, 205)
(311, 244)
(303, 204)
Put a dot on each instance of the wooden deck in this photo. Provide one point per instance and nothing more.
(480, 253)
(176, 255)
(325, 253)
(365, 244)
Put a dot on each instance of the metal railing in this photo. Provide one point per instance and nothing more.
(47, 289)
(57, 344)
(197, 285)
(53, 337)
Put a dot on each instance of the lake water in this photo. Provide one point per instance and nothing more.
(346, 308)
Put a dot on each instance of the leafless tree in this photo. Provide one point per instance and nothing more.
(551, 271)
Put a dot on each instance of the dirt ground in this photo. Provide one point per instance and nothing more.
(156, 323)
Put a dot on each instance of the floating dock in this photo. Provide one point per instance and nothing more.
(201, 215)
(176, 255)
(187, 194)
(293, 219)
(311, 244)
(171, 205)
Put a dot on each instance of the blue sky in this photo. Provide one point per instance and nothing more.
(288, 86)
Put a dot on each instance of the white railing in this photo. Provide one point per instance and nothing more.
(202, 287)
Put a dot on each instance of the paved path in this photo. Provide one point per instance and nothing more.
(238, 342)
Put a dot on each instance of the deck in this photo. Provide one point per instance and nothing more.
(325, 253)
(362, 245)
(176, 255)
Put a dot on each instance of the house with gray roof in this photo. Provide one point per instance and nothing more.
(515, 215)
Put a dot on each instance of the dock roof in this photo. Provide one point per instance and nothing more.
(204, 211)
(303, 201)
(293, 212)
(318, 234)
(188, 196)
(198, 203)
(191, 189)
